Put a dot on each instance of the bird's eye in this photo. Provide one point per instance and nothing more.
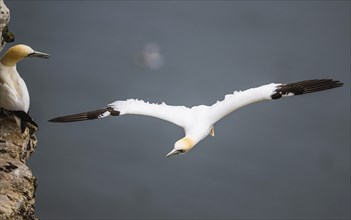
(181, 151)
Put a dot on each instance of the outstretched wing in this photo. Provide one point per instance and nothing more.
(174, 114)
(99, 113)
(271, 91)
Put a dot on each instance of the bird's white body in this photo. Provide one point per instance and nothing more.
(195, 121)
(13, 90)
(14, 95)
(198, 121)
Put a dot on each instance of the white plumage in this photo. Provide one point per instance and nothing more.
(14, 95)
(198, 121)
(13, 90)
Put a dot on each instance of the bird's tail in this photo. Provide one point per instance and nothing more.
(23, 119)
(100, 113)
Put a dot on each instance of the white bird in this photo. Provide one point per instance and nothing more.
(14, 96)
(198, 121)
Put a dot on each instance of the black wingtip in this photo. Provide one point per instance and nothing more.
(71, 118)
(337, 83)
(58, 119)
(306, 86)
(99, 113)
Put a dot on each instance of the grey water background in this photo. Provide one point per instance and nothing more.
(285, 159)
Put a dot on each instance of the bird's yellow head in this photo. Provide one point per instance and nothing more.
(19, 52)
(182, 146)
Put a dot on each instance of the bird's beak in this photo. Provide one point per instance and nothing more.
(39, 54)
(173, 152)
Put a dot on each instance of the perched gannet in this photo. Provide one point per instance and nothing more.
(198, 121)
(14, 96)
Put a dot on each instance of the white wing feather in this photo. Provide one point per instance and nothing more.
(175, 114)
(240, 99)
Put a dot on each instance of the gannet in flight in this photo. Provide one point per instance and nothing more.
(198, 121)
(14, 96)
